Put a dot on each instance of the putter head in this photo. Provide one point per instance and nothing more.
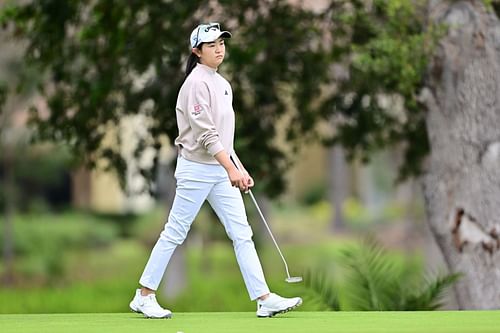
(294, 279)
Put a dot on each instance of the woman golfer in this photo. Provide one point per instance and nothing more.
(205, 118)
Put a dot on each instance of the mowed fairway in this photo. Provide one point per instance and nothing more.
(218, 322)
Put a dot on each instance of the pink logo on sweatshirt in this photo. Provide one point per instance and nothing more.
(197, 109)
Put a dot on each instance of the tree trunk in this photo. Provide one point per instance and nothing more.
(260, 233)
(7, 187)
(175, 278)
(8, 235)
(462, 180)
(337, 189)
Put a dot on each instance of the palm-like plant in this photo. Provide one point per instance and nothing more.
(378, 281)
(430, 297)
(322, 288)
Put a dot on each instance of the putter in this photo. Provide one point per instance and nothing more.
(289, 279)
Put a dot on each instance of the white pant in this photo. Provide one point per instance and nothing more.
(197, 182)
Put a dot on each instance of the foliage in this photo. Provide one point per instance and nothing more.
(321, 285)
(377, 281)
(100, 296)
(360, 64)
(42, 187)
(106, 60)
(314, 194)
(493, 5)
(429, 298)
(360, 217)
(41, 242)
(356, 214)
(385, 46)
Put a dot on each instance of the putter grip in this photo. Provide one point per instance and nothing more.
(236, 165)
(234, 162)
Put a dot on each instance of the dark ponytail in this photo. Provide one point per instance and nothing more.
(191, 63)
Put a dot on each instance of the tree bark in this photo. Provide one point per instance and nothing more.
(337, 188)
(462, 179)
(175, 279)
(7, 187)
(8, 235)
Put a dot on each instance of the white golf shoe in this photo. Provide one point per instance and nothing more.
(148, 306)
(275, 304)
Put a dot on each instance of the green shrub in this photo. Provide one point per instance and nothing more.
(375, 280)
(315, 193)
(41, 241)
(41, 178)
(356, 214)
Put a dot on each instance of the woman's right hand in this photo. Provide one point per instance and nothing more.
(237, 179)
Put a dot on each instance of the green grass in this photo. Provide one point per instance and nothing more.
(219, 322)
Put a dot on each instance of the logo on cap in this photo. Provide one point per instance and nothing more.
(206, 33)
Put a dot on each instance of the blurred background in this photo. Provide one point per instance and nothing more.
(87, 101)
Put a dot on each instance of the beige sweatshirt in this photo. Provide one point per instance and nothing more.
(205, 116)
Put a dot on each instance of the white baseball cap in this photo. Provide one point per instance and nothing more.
(206, 33)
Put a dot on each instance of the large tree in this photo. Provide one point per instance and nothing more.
(439, 63)
(462, 178)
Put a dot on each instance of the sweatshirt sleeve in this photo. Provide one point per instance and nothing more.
(200, 119)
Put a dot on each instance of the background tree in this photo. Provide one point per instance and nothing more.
(382, 50)
(17, 83)
(106, 60)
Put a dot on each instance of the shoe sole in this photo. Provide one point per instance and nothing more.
(166, 317)
(272, 314)
(140, 312)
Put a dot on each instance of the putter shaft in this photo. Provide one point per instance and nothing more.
(270, 232)
(289, 279)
